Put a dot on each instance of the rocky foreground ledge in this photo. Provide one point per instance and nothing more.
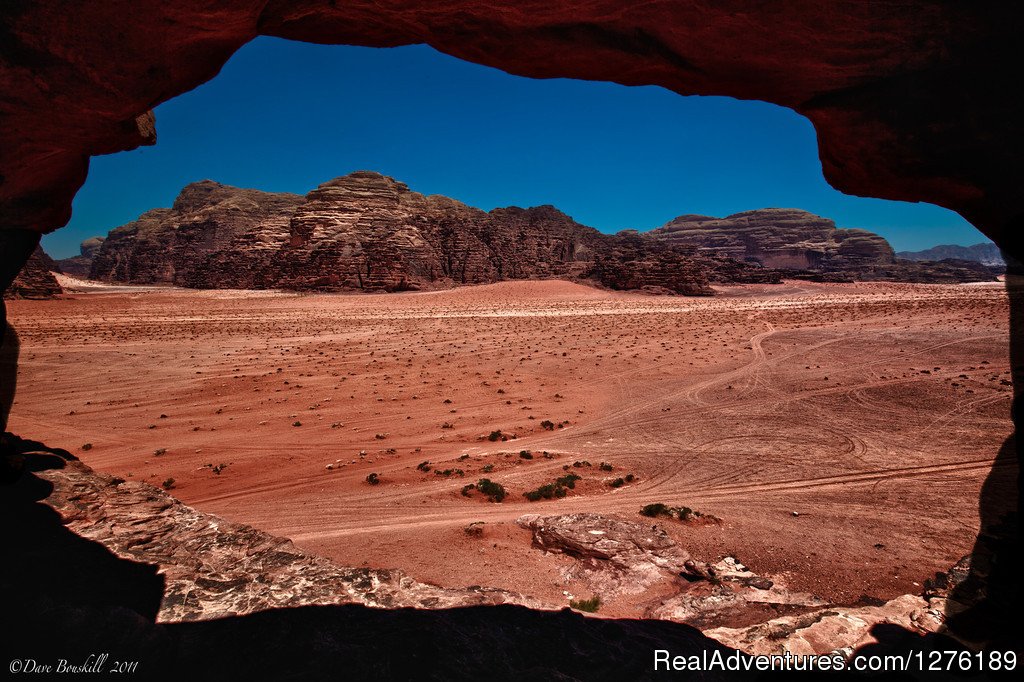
(140, 568)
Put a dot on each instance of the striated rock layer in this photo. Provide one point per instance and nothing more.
(368, 232)
(35, 280)
(214, 568)
(779, 238)
(213, 236)
(808, 246)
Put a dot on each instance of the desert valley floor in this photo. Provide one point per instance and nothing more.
(873, 411)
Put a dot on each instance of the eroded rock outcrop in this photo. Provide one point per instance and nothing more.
(822, 631)
(779, 238)
(214, 568)
(807, 246)
(35, 280)
(214, 236)
(81, 265)
(619, 557)
(369, 232)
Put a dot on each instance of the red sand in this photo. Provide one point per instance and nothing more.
(873, 410)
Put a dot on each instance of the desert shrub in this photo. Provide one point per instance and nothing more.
(526, 454)
(548, 424)
(496, 436)
(467, 488)
(495, 492)
(550, 491)
(617, 483)
(167, 484)
(475, 529)
(373, 479)
(423, 466)
(545, 492)
(630, 478)
(580, 464)
(605, 466)
(685, 514)
(589, 605)
(655, 510)
(487, 468)
(569, 480)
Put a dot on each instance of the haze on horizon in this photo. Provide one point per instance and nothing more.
(286, 116)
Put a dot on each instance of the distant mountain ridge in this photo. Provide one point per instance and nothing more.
(368, 232)
(985, 253)
(807, 246)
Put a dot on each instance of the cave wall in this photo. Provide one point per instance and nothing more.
(911, 100)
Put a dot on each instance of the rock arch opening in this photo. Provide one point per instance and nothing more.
(915, 154)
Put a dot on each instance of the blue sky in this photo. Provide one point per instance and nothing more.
(286, 116)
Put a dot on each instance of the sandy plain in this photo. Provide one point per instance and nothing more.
(874, 411)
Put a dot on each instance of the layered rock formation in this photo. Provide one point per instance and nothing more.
(368, 232)
(620, 557)
(213, 236)
(35, 280)
(81, 265)
(213, 567)
(779, 238)
(804, 245)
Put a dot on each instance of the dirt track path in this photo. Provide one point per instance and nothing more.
(875, 411)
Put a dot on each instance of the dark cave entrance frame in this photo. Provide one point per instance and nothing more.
(926, 119)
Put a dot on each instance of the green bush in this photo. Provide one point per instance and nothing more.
(495, 492)
(550, 491)
(655, 510)
(373, 479)
(681, 513)
(569, 480)
(589, 605)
